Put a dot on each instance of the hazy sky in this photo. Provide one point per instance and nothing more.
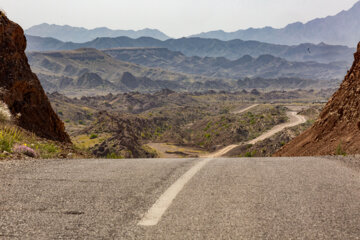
(176, 18)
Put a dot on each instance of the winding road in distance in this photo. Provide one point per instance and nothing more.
(294, 120)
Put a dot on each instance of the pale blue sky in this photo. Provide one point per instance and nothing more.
(176, 18)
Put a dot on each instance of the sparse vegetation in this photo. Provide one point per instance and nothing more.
(9, 135)
(201, 120)
(17, 142)
(250, 154)
(151, 151)
(339, 150)
(114, 156)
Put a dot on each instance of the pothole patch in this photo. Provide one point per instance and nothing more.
(74, 213)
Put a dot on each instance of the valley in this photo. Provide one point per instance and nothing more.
(120, 97)
(172, 124)
(112, 129)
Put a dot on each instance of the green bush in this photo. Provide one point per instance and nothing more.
(207, 135)
(93, 136)
(250, 154)
(50, 148)
(113, 156)
(208, 126)
(340, 150)
(5, 145)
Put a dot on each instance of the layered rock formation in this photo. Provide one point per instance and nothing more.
(21, 89)
(337, 130)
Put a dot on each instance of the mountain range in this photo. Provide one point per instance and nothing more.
(342, 29)
(264, 66)
(79, 34)
(92, 69)
(82, 70)
(232, 50)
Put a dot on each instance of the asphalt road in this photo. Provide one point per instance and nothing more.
(268, 198)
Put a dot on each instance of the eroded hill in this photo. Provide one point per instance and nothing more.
(90, 71)
(21, 89)
(337, 130)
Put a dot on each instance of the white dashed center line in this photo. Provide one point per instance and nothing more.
(153, 216)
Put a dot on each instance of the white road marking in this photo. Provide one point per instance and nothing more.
(153, 216)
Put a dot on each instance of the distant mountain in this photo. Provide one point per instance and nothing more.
(93, 69)
(90, 69)
(264, 66)
(342, 29)
(77, 34)
(42, 43)
(232, 50)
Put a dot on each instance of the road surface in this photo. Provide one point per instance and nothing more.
(220, 198)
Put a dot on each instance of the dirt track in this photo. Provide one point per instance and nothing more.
(294, 120)
(245, 109)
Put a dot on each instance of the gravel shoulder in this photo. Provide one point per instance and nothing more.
(351, 161)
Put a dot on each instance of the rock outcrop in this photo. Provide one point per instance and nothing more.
(126, 132)
(21, 89)
(337, 130)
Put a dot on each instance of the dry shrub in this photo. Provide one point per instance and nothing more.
(5, 115)
(2, 12)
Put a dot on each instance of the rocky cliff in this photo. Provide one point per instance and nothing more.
(21, 89)
(337, 130)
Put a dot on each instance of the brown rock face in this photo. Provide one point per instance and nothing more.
(21, 89)
(338, 127)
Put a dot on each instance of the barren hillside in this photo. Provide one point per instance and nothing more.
(337, 131)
